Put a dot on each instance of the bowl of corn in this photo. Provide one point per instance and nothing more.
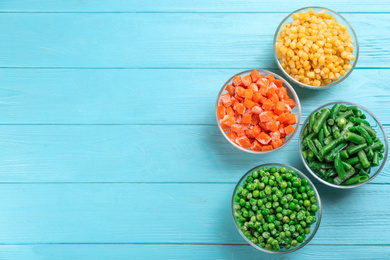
(316, 47)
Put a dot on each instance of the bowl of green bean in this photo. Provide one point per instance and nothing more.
(276, 208)
(343, 145)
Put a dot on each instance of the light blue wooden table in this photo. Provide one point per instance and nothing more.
(109, 147)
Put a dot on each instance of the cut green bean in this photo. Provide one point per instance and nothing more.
(325, 113)
(348, 175)
(317, 143)
(346, 114)
(334, 111)
(354, 109)
(345, 129)
(321, 136)
(343, 108)
(341, 122)
(363, 159)
(326, 131)
(344, 155)
(354, 138)
(353, 160)
(356, 148)
(370, 153)
(356, 179)
(304, 154)
(305, 132)
(335, 131)
(358, 166)
(332, 154)
(369, 129)
(328, 140)
(380, 156)
(364, 171)
(375, 158)
(313, 148)
(320, 165)
(359, 121)
(346, 166)
(377, 146)
(365, 134)
(312, 120)
(338, 165)
(327, 148)
(330, 173)
(330, 121)
(363, 116)
(310, 155)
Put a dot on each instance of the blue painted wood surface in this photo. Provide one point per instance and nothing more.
(109, 145)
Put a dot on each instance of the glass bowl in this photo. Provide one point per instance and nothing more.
(291, 93)
(314, 227)
(341, 20)
(375, 124)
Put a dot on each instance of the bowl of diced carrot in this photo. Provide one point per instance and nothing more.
(258, 111)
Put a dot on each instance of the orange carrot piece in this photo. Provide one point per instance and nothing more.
(283, 118)
(292, 120)
(243, 141)
(248, 133)
(282, 93)
(230, 90)
(268, 105)
(267, 148)
(263, 90)
(289, 102)
(276, 143)
(256, 97)
(272, 126)
(263, 138)
(256, 130)
(240, 91)
(274, 98)
(226, 100)
(221, 112)
(270, 77)
(236, 128)
(279, 108)
(237, 81)
(246, 119)
(249, 103)
(256, 110)
(256, 146)
(266, 116)
(274, 135)
(247, 80)
(278, 83)
(255, 75)
(239, 108)
(289, 129)
(255, 119)
(262, 82)
(253, 87)
(248, 94)
(270, 92)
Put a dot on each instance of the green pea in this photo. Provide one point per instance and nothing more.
(314, 208)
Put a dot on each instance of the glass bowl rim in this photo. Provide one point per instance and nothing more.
(341, 186)
(295, 98)
(300, 174)
(306, 85)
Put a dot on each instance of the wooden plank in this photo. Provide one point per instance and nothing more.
(177, 96)
(146, 153)
(170, 213)
(185, 6)
(171, 252)
(148, 40)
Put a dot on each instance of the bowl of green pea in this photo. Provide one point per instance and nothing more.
(276, 208)
(343, 145)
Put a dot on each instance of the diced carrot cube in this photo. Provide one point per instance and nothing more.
(263, 90)
(256, 97)
(228, 120)
(270, 92)
(283, 118)
(230, 89)
(274, 135)
(235, 128)
(290, 102)
(237, 81)
(256, 130)
(276, 143)
(282, 93)
(256, 146)
(267, 148)
(239, 108)
(266, 116)
(246, 119)
(255, 75)
(279, 108)
(232, 136)
(289, 129)
(287, 108)
(262, 100)
(268, 105)
(248, 94)
(240, 91)
(221, 112)
(282, 139)
(226, 100)
(272, 126)
(256, 110)
(274, 98)
(262, 82)
(230, 111)
(270, 77)
(225, 128)
(247, 80)
(243, 141)
(239, 99)
(253, 87)
(249, 103)
(278, 83)
(292, 120)
(255, 119)
(248, 133)
(263, 138)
